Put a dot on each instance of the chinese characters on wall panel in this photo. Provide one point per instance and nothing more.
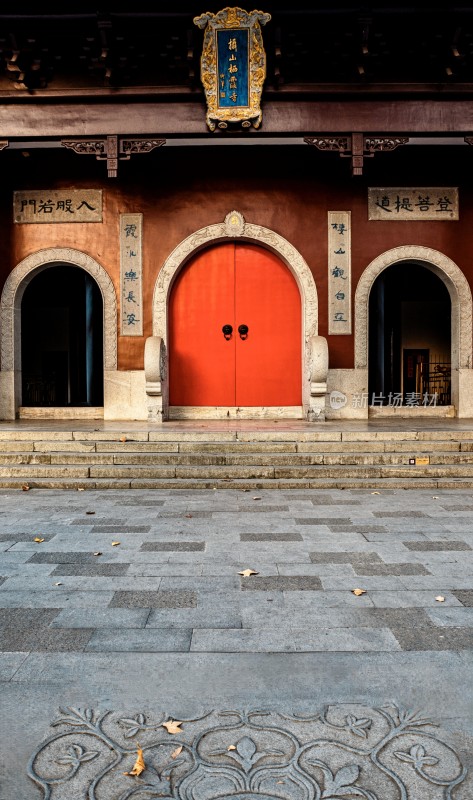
(339, 272)
(131, 235)
(64, 205)
(438, 203)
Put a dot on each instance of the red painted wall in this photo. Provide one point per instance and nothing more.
(288, 189)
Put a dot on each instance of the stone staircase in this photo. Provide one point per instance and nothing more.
(313, 457)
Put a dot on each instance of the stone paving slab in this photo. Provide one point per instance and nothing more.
(178, 631)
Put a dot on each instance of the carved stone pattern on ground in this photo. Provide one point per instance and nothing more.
(340, 751)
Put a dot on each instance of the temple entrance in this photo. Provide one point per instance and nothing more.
(62, 339)
(409, 338)
(235, 332)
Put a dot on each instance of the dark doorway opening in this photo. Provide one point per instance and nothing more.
(409, 338)
(62, 339)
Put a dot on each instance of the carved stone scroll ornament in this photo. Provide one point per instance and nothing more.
(155, 365)
(233, 66)
(319, 366)
(340, 751)
(112, 149)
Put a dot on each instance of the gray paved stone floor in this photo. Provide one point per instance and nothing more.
(132, 611)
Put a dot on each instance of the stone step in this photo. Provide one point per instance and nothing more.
(235, 438)
(228, 471)
(375, 484)
(221, 458)
(183, 458)
(44, 442)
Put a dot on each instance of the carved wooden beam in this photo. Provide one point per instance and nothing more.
(357, 146)
(112, 149)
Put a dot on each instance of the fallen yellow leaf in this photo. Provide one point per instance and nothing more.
(256, 498)
(58, 584)
(247, 572)
(139, 765)
(440, 598)
(435, 497)
(123, 438)
(358, 591)
(38, 539)
(176, 752)
(231, 747)
(98, 553)
(25, 487)
(374, 492)
(80, 489)
(114, 544)
(172, 726)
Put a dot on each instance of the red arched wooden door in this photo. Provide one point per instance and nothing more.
(235, 284)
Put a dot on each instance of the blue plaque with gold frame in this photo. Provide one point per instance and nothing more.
(233, 66)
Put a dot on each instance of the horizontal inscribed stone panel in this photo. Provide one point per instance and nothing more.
(438, 203)
(63, 205)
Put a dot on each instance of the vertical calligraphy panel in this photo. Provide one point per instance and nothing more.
(131, 234)
(339, 272)
(233, 67)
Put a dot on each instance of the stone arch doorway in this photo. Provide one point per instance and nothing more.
(313, 349)
(15, 288)
(409, 338)
(62, 339)
(454, 293)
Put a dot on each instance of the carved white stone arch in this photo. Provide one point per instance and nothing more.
(460, 295)
(447, 271)
(10, 317)
(235, 227)
(21, 276)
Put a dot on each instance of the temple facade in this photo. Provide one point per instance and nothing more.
(232, 214)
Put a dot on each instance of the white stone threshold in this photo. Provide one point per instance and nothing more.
(411, 412)
(235, 412)
(63, 412)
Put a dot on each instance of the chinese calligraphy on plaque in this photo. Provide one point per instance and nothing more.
(426, 203)
(64, 205)
(233, 66)
(131, 234)
(339, 272)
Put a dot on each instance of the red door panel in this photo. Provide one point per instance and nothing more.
(235, 284)
(201, 361)
(267, 300)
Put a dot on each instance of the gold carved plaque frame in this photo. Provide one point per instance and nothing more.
(233, 86)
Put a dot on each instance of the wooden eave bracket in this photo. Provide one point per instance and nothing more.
(112, 149)
(356, 146)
